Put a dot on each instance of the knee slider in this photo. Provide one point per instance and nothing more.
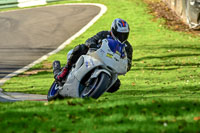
(77, 50)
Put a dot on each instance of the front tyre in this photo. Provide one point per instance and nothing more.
(53, 92)
(96, 86)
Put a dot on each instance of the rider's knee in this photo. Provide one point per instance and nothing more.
(77, 52)
(80, 49)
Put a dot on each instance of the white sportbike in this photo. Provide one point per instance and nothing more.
(94, 73)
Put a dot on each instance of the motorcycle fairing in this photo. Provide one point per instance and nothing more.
(84, 65)
(104, 59)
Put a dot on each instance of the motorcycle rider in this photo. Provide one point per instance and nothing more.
(119, 31)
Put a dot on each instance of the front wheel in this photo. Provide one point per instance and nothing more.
(53, 92)
(96, 86)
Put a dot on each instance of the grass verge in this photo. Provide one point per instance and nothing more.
(159, 94)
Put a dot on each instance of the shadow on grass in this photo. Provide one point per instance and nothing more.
(165, 56)
(157, 115)
(135, 92)
(172, 46)
(156, 68)
(186, 47)
(163, 91)
(164, 66)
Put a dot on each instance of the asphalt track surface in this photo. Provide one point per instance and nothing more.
(28, 34)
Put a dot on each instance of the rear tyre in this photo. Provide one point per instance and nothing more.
(96, 86)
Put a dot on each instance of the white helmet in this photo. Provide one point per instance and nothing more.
(120, 30)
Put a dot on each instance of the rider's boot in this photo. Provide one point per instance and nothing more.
(56, 68)
(62, 75)
(114, 87)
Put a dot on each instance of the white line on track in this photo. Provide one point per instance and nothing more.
(103, 10)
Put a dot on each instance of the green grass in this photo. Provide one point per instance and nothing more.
(159, 94)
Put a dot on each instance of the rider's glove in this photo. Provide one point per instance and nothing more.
(94, 46)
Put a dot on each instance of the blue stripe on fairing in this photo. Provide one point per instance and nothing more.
(116, 46)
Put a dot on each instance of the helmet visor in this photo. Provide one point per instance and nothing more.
(122, 37)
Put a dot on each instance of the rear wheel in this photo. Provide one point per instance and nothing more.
(97, 86)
